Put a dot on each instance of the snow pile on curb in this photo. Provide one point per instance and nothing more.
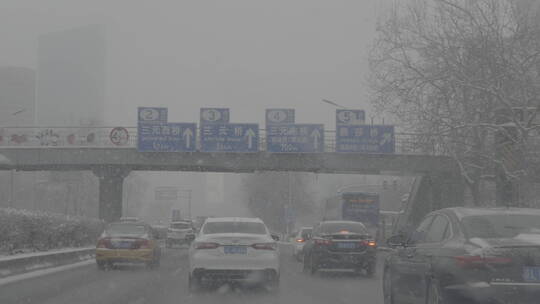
(23, 231)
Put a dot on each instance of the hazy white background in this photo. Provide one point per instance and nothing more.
(244, 54)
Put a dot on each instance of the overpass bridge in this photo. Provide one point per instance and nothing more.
(112, 162)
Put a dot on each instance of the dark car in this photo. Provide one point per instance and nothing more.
(467, 255)
(340, 245)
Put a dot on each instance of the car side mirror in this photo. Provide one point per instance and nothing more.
(275, 237)
(396, 241)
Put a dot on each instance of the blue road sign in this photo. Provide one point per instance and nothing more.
(350, 117)
(166, 137)
(151, 115)
(230, 137)
(302, 138)
(214, 115)
(365, 139)
(279, 116)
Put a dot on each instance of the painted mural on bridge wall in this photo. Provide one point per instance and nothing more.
(66, 137)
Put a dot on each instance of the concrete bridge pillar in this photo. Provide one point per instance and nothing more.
(111, 182)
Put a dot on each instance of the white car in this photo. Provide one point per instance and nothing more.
(299, 240)
(234, 250)
(179, 233)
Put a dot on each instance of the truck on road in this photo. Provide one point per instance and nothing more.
(355, 206)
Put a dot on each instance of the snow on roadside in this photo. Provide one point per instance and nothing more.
(4, 258)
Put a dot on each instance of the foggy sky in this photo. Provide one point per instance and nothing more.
(247, 55)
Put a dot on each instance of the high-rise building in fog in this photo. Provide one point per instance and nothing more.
(71, 77)
(17, 96)
(70, 91)
(17, 108)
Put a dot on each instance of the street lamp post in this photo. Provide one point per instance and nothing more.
(335, 104)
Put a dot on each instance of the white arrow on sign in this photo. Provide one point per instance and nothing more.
(187, 135)
(316, 136)
(386, 138)
(250, 135)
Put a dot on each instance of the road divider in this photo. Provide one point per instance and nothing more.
(23, 263)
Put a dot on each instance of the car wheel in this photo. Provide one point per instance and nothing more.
(435, 295)
(310, 265)
(370, 270)
(306, 265)
(388, 289)
(101, 265)
(194, 284)
(152, 264)
(273, 285)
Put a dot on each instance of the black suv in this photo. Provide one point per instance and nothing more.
(340, 245)
(467, 255)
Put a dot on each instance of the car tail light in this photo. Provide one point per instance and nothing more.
(369, 243)
(300, 240)
(478, 261)
(143, 244)
(206, 245)
(323, 242)
(104, 243)
(265, 246)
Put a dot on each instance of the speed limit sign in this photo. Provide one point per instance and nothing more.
(119, 136)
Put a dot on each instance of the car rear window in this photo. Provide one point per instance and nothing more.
(234, 227)
(126, 229)
(305, 232)
(501, 225)
(180, 226)
(331, 228)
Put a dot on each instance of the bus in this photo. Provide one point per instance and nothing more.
(355, 206)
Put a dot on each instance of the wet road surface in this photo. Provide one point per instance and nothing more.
(168, 284)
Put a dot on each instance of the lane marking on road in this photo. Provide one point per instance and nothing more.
(43, 272)
(177, 271)
(138, 301)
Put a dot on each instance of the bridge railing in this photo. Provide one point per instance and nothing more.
(126, 137)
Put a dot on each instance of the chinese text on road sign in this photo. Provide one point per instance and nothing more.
(233, 137)
(365, 139)
(167, 137)
(303, 138)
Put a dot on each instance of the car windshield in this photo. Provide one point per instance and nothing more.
(202, 140)
(501, 225)
(305, 232)
(125, 229)
(331, 228)
(180, 226)
(234, 227)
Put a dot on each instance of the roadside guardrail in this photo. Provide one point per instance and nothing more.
(22, 263)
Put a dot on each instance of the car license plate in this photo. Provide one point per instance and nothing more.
(346, 245)
(123, 245)
(235, 249)
(531, 274)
